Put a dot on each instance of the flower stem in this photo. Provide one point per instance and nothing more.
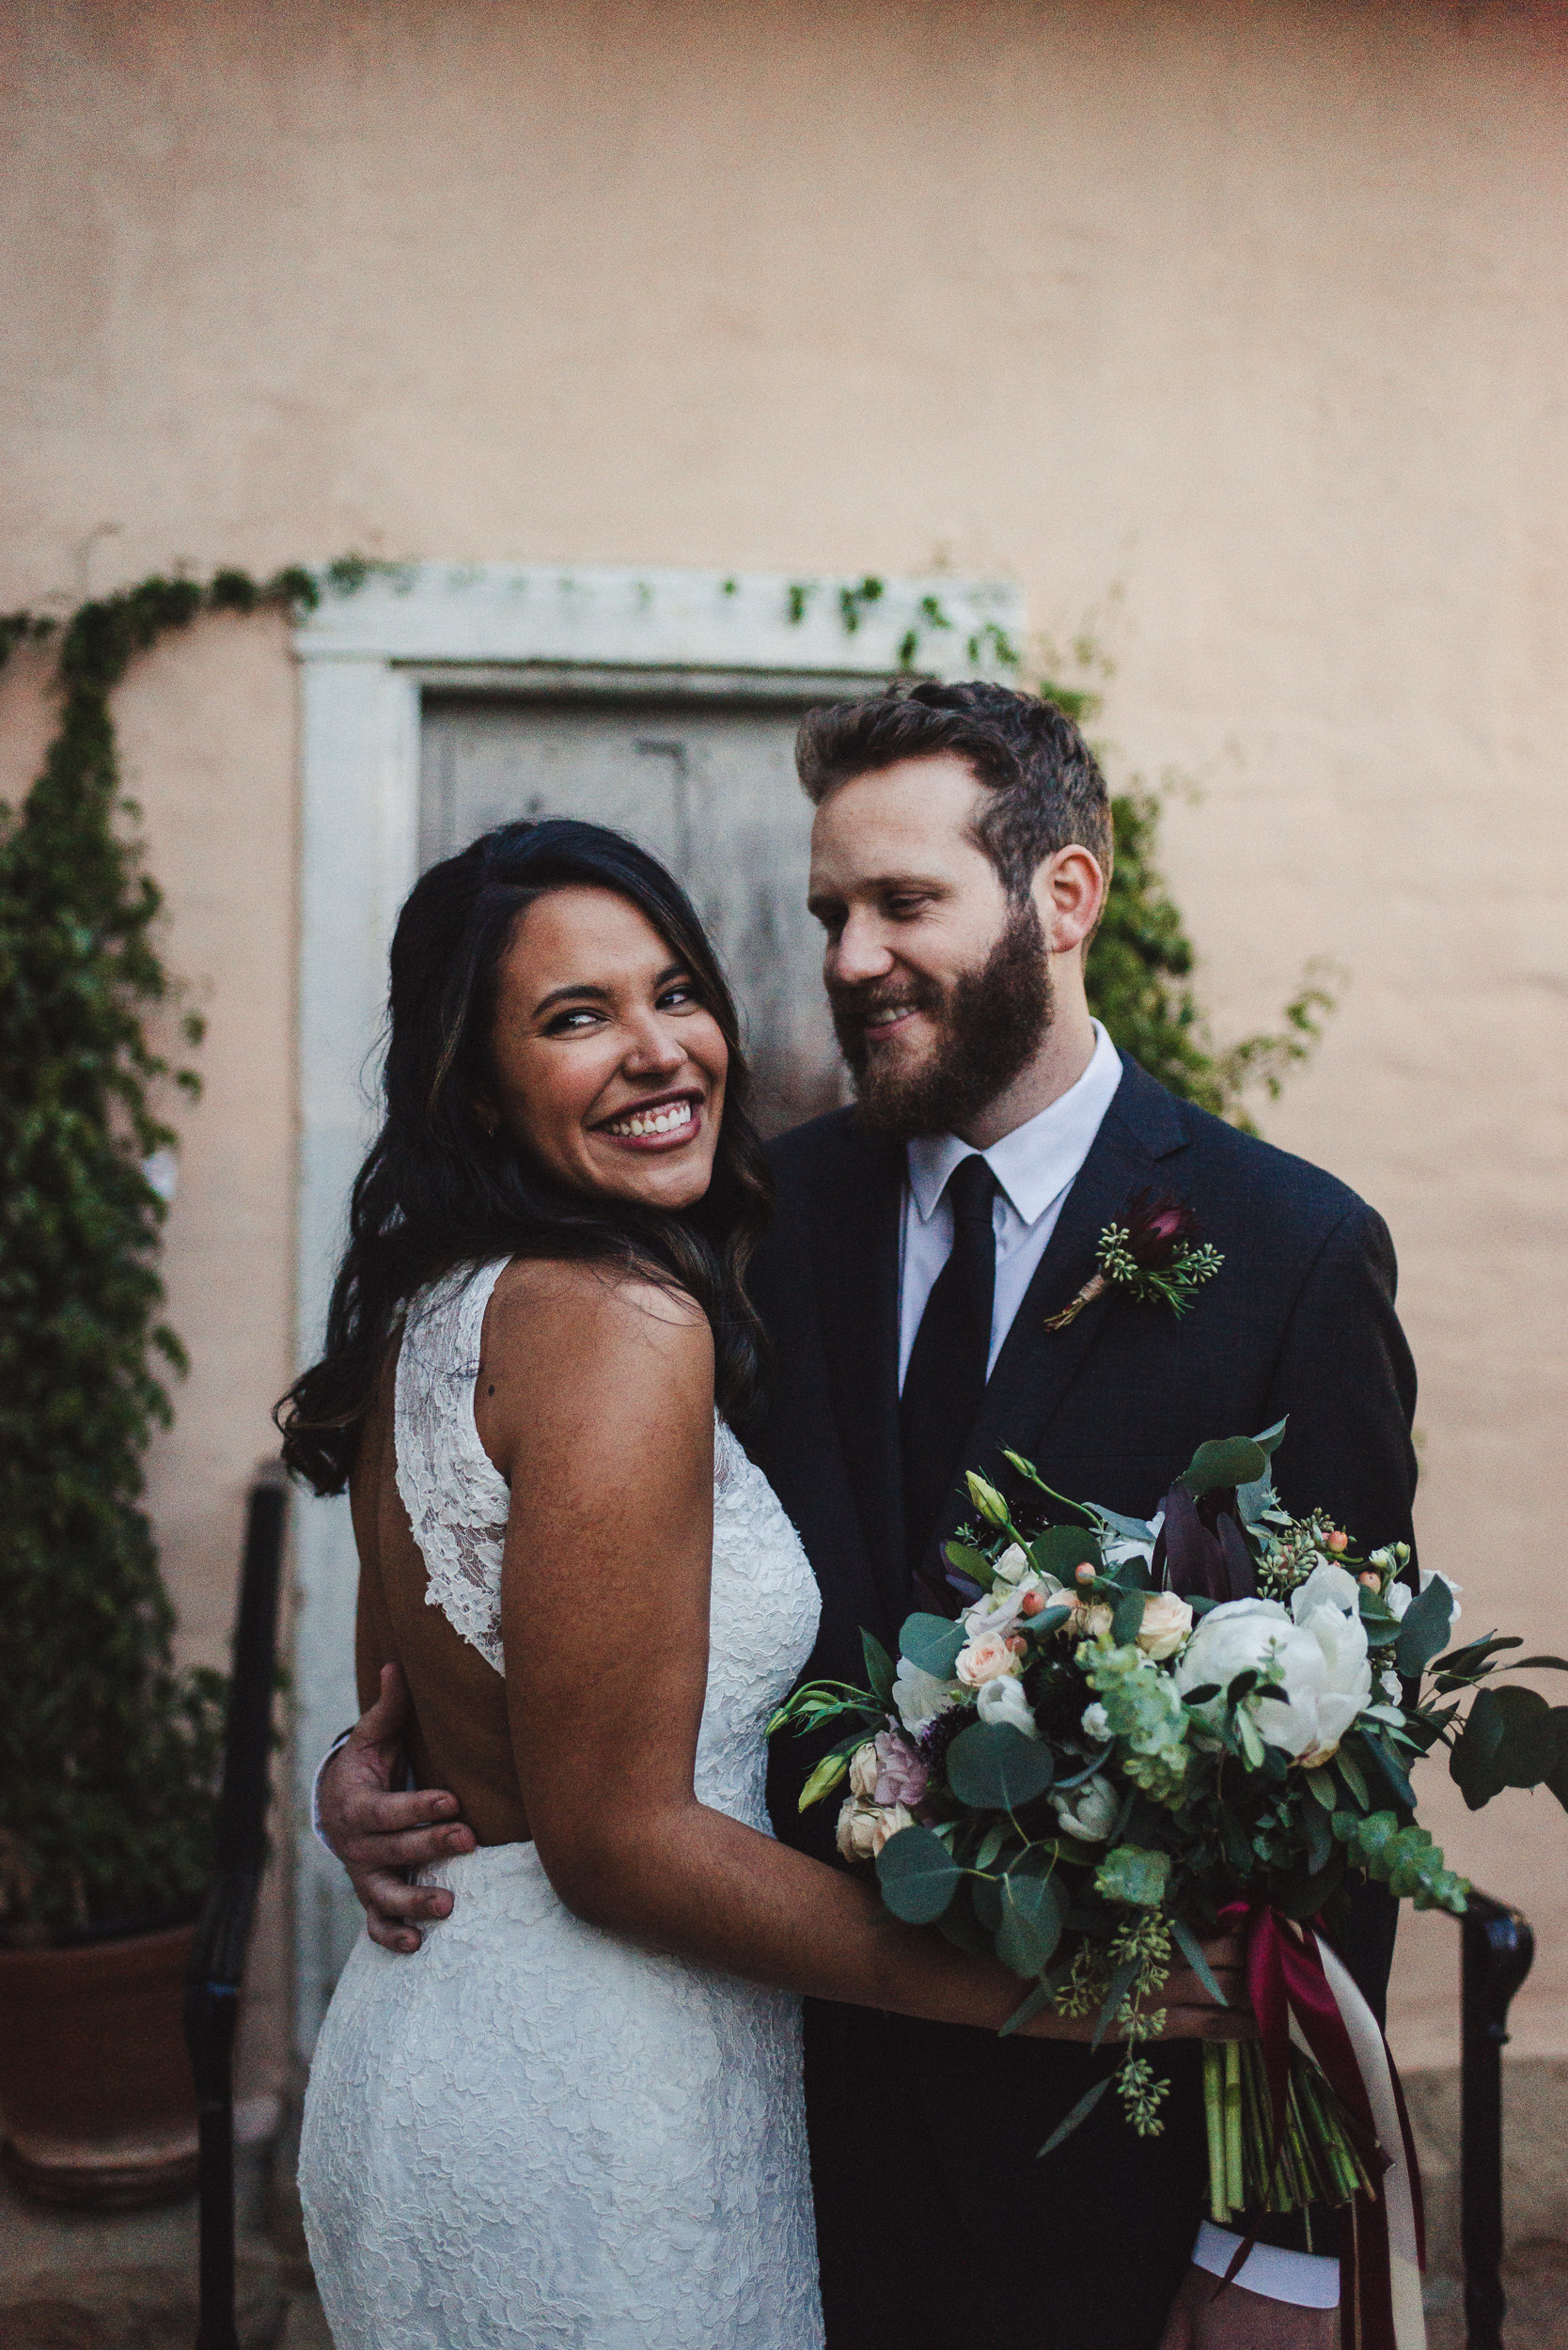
(1214, 2117)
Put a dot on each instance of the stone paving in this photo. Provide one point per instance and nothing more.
(126, 2280)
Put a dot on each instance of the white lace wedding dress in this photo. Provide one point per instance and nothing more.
(529, 2133)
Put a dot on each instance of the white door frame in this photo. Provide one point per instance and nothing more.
(366, 654)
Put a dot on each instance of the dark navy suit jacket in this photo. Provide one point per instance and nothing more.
(1300, 1321)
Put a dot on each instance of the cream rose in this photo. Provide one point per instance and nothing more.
(984, 1659)
(864, 1771)
(1166, 1621)
(864, 1827)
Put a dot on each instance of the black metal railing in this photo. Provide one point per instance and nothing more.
(1496, 1949)
(218, 1956)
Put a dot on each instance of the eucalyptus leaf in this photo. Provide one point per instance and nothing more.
(1030, 1926)
(996, 1768)
(880, 1669)
(1080, 2112)
(1060, 1549)
(1130, 1529)
(1383, 1756)
(1025, 2012)
(932, 1643)
(1272, 1438)
(1557, 1778)
(1424, 1629)
(970, 1561)
(1192, 1950)
(1127, 1621)
(991, 1841)
(959, 1925)
(985, 1900)
(1120, 1983)
(1527, 1751)
(1222, 1461)
(917, 1874)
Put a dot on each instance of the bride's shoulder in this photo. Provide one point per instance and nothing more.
(575, 1307)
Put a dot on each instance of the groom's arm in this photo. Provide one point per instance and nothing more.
(1346, 1378)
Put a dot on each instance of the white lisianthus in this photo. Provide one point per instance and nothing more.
(1166, 1621)
(1009, 1603)
(1089, 1813)
(1013, 1565)
(1388, 1682)
(1318, 1672)
(864, 1770)
(1096, 1722)
(1398, 1596)
(919, 1697)
(1003, 1701)
(864, 1827)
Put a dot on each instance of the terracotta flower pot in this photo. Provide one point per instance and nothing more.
(96, 2094)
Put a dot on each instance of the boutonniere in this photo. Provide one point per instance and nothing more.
(1152, 1253)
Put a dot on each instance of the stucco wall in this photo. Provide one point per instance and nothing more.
(1253, 315)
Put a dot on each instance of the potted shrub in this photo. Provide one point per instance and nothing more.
(109, 1755)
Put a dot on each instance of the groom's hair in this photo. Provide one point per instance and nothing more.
(1044, 787)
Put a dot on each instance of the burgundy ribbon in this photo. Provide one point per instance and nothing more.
(1285, 1978)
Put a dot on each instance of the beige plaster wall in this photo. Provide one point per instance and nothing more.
(1251, 314)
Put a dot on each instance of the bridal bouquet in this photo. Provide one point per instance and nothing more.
(1129, 1734)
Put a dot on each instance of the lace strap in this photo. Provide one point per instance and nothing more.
(455, 1495)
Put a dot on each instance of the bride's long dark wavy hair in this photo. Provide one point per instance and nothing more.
(438, 1190)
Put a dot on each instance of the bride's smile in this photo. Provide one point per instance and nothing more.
(607, 1063)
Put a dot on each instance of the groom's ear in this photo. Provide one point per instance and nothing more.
(1069, 890)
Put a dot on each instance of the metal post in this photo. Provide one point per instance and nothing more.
(1496, 1947)
(218, 1957)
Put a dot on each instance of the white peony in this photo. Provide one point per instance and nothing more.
(1326, 1586)
(1003, 1701)
(1318, 1668)
(1087, 1813)
(919, 1697)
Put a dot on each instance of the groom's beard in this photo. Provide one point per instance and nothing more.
(989, 1023)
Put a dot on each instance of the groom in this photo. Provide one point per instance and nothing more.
(923, 1244)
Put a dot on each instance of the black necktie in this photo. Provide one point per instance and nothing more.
(946, 1378)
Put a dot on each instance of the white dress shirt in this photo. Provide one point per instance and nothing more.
(1034, 1166)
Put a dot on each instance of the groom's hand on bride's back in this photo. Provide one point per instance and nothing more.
(378, 1835)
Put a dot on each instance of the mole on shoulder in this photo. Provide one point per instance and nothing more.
(490, 1389)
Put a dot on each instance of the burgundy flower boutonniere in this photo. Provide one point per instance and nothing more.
(1153, 1252)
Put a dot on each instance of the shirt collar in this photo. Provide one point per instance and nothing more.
(1037, 1160)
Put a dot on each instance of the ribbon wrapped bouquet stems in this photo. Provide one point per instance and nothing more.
(1105, 1739)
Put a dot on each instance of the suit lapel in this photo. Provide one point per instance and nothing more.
(855, 1259)
(1036, 1366)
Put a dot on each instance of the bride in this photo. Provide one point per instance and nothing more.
(575, 2118)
